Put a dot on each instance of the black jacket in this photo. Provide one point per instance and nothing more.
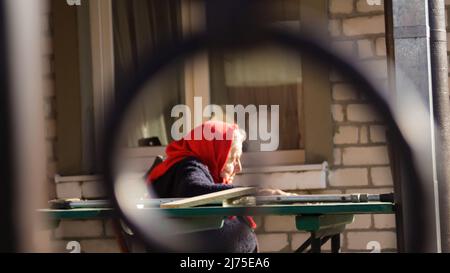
(189, 177)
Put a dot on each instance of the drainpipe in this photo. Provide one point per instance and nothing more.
(441, 103)
(418, 223)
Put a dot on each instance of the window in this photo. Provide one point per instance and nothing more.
(137, 27)
(270, 76)
(301, 88)
(265, 75)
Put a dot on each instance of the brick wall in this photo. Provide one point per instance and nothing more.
(361, 158)
(92, 235)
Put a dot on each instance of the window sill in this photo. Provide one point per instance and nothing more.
(286, 168)
(285, 177)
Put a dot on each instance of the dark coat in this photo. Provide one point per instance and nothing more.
(189, 177)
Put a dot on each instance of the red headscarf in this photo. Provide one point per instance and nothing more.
(211, 149)
(210, 143)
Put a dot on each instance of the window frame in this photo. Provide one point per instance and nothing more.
(313, 98)
(316, 128)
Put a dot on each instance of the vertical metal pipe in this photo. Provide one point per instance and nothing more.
(439, 72)
(421, 227)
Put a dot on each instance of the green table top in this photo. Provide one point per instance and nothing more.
(85, 213)
(294, 209)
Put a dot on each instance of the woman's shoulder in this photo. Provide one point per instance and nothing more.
(185, 170)
(192, 167)
(192, 163)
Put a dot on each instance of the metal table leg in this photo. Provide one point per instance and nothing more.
(316, 243)
(336, 243)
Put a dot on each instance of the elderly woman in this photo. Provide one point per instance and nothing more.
(200, 164)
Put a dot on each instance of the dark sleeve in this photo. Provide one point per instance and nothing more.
(193, 181)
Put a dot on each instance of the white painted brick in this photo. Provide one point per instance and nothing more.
(363, 135)
(346, 135)
(380, 46)
(328, 191)
(362, 221)
(359, 240)
(370, 190)
(338, 112)
(337, 154)
(355, 156)
(378, 134)
(68, 190)
(279, 223)
(381, 176)
(283, 180)
(273, 242)
(348, 177)
(365, 49)
(343, 92)
(363, 6)
(100, 246)
(384, 220)
(362, 113)
(79, 229)
(335, 27)
(363, 25)
(93, 189)
(341, 6)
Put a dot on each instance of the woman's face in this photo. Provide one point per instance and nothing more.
(233, 166)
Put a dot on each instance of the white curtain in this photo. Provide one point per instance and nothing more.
(140, 28)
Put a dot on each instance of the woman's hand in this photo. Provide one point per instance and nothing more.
(273, 192)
